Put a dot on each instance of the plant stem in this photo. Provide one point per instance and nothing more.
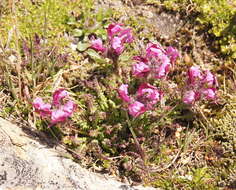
(117, 66)
(140, 150)
(63, 146)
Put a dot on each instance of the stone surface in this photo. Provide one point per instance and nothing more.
(28, 161)
(164, 24)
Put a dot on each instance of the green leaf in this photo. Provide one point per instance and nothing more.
(95, 56)
(78, 33)
(71, 21)
(124, 57)
(82, 46)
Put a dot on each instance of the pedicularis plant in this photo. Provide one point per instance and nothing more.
(118, 36)
(149, 69)
(59, 110)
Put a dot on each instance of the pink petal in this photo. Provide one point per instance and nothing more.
(123, 93)
(58, 95)
(209, 93)
(162, 70)
(153, 50)
(159, 59)
(136, 109)
(172, 53)
(117, 45)
(113, 29)
(97, 45)
(59, 115)
(69, 107)
(209, 79)
(140, 69)
(194, 73)
(37, 103)
(42, 108)
(126, 35)
(149, 95)
(63, 113)
(189, 97)
(143, 87)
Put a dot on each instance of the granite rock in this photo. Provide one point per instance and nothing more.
(28, 161)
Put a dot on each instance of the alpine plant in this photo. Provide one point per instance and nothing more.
(156, 63)
(201, 85)
(118, 36)
(145, 98)
(61, 108)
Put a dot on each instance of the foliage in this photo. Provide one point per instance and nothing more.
(224, 124)
(47, 18)
(218, 15)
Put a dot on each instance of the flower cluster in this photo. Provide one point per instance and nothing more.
(156, 62)
(60, 109)
(200, 85)
(146, 97)
(117, 37)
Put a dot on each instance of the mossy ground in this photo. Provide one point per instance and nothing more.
(183, 149)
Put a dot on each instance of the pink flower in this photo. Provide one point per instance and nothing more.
(162, 70)
(63, 113)
(209, 79)
(58, 116)
(117, 45)
(57, 111)
(98, 45)
(209, 93)
(126, 35)
(149, 95)
(194, 74)
(202, 84)
(123, 93)
(118, 36)
(157, 60)
(69, 107)
(162, 58)
(154, 50)
(42, 108)
(140, 69)
(140, 59)
(58, 95)
(172, 53)
(136, 109)
(190, 97)
(113, 29)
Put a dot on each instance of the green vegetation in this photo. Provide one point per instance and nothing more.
(44, 46)
(219, 16)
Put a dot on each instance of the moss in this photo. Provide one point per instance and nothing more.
(224, 125)
(219, 16)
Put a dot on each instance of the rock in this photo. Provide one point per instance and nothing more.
(164, 24)
(29, 161)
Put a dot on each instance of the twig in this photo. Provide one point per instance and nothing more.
(63, 146)
(12, 141)
(169, 165)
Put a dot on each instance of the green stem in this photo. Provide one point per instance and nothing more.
(117, 66)
(63, 146)
(53, 134)
(140, 150)
(207, 121)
